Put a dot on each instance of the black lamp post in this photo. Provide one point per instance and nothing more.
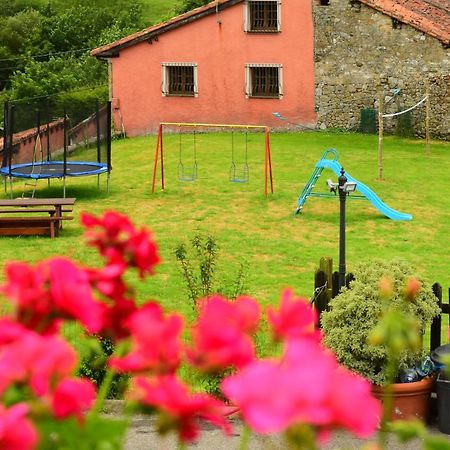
(342, 180)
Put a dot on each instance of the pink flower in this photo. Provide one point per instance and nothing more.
(221, 336)
(71, 292)
(156, 343)
(120, 243)
(27, 287)
(73, 397)
(356, 388)
(16, 431)
(305, 386)
(51, 291)
(10, 331)
(182, 408)
(295, 318)
(39, 360)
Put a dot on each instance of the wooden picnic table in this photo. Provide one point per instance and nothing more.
(34, 216)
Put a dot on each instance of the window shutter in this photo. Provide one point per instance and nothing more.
(246, 16)
(248, 81)
(279, 14)
(164, 80)
(280, 80)
(195, 80)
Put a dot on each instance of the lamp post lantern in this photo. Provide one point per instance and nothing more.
(342, 180)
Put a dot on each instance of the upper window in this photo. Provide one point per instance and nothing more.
(264, 80)
(179, 79)
(262, 16)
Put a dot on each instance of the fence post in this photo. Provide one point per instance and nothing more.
(435, 330)
(348, 279)
(320, 298)
(334, 284)
(322, 285)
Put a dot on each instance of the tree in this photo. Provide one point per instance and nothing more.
(187, 5)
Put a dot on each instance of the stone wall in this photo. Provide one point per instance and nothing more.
(360, 52)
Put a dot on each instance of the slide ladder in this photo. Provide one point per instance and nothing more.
(326, 163)
(313, 179)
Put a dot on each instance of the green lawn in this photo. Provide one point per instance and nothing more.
(281, 250)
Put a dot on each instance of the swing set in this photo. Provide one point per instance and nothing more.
(238, 173)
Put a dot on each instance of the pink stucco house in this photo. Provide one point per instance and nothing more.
(230, 61)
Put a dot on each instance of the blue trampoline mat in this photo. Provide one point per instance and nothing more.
(54, 169)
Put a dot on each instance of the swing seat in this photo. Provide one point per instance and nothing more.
(185, 175)
(243, 178)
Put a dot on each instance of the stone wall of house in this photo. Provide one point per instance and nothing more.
(360, 52)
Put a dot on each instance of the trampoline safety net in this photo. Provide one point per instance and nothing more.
(46, 140)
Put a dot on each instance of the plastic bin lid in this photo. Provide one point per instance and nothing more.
(437, 353)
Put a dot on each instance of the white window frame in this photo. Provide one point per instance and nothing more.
(249, 84)
(247, 21)
(165, 81)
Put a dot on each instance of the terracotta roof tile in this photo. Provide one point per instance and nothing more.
(159, 28)
(429, 16)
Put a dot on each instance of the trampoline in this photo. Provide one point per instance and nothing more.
(32, 137)
(54, 169)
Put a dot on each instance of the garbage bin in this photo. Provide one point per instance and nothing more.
(443, 397)
(442, 389)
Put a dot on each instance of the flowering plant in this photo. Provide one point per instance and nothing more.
(43, 405)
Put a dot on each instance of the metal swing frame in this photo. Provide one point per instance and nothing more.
(159, 153)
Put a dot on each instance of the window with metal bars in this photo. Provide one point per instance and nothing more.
(180, 79)
(264, 81)
(263, 16)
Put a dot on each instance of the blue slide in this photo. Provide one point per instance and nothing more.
(366, 191)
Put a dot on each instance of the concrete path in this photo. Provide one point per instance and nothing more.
(142, 435)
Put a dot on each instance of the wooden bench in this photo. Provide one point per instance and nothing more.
(34, 216)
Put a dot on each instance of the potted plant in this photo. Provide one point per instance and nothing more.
(375, 328)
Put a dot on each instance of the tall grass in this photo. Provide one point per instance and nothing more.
(280, 249)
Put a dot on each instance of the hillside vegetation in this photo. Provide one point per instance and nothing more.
(44, 46)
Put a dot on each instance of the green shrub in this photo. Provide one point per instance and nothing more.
(93, 366)
(356, 311)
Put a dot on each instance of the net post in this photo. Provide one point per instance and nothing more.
(427, 115)
(266, 165)
(380, 135)
(97, 121)
(65, 146)
(108, 136)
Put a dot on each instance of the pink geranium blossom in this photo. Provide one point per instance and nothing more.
(119, 242)
(51, 291)
(306, 386)
(295, 317)
(221, 336)
(16, 431)
(73, 397)
(156, 343)
(36, 359)
(182, 408)
(71, 292)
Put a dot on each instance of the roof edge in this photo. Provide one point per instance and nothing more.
(432, 31)
(151, 33)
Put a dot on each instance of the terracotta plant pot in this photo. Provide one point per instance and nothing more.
(410, 400)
